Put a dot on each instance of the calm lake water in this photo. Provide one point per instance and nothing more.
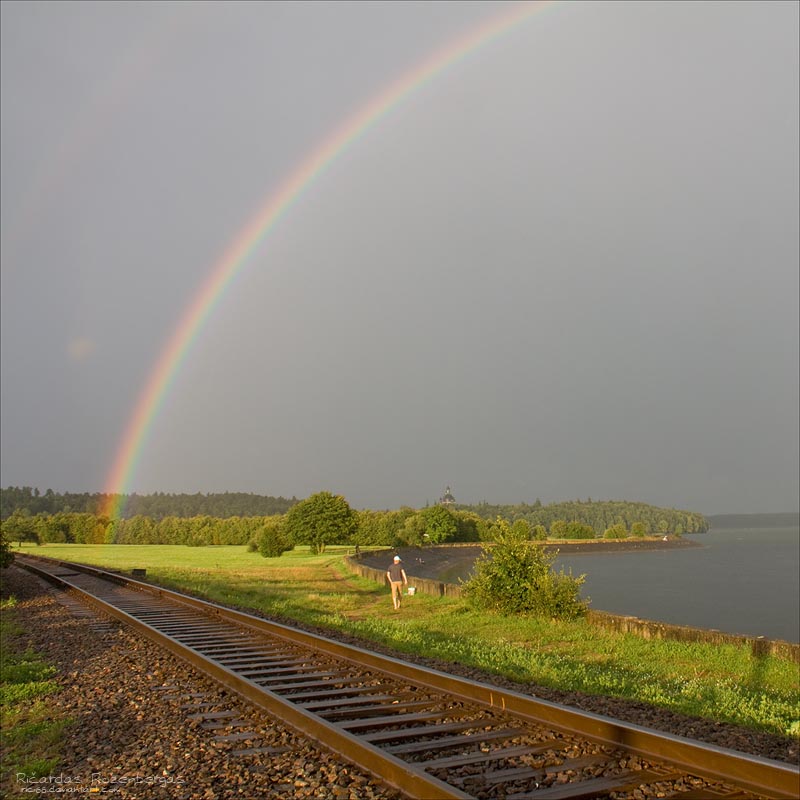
(744, 581)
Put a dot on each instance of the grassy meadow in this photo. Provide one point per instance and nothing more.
(725, 683)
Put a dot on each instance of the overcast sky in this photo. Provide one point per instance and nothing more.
(565, 268)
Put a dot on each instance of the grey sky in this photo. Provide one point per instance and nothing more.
(566, 267)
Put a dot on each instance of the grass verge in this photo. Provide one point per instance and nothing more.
(726, 683)
(29, 736)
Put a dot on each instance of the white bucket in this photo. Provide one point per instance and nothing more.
(412, 590)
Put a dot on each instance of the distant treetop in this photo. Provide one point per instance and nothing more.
(156, 506)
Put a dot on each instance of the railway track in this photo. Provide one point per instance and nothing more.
(426, 733)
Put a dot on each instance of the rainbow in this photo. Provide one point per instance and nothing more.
(178, 347)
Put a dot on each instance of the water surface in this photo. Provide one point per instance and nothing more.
(744, 581)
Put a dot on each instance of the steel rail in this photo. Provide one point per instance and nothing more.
(393, 770)
(771, 779)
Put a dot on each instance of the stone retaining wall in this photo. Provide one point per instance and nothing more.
(423, 585)
(645, 628)
(648, 629)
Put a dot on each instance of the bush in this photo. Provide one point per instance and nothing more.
(618, 531)
(6, 556)
(274, 540)
(580, 530)
(521, 529)
(516, 576)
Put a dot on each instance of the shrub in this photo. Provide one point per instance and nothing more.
(618, 531)
(274, 540)
(517, 576)
(6, 556)
(539, 533)
(639, 530)
(521, 529)
(579, 530)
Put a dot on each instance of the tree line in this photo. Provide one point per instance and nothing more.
(599, 515)
(324, 518)
(157, 506)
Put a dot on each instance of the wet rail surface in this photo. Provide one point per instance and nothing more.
(428, 734)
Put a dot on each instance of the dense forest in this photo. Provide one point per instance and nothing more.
(155, 506)
(599, 515)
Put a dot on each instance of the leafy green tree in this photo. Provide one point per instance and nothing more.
(498, 529)
(370, 528)
(413, 531)
(521, 529)
(20, 527)
(380, 527)
(638, 530)
(516, 576)
(471, 527)
(320, 520)
(111, 533)
(86, 528)
(440, 524)
(539, 533)
(558, 529)
(53, 528)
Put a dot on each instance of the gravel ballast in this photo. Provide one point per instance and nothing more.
(147, 721)
(144, 723)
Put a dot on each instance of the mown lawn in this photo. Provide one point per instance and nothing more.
(726, 683)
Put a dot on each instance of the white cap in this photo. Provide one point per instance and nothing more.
(397, 558)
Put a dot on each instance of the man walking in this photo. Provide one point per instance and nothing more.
(397, 577)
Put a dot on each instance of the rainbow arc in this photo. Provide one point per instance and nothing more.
(251, 236)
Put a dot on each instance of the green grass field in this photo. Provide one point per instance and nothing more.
(725, 683)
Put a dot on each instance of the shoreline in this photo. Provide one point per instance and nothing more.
(575, 546)
(432, 570)
(433, 560)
